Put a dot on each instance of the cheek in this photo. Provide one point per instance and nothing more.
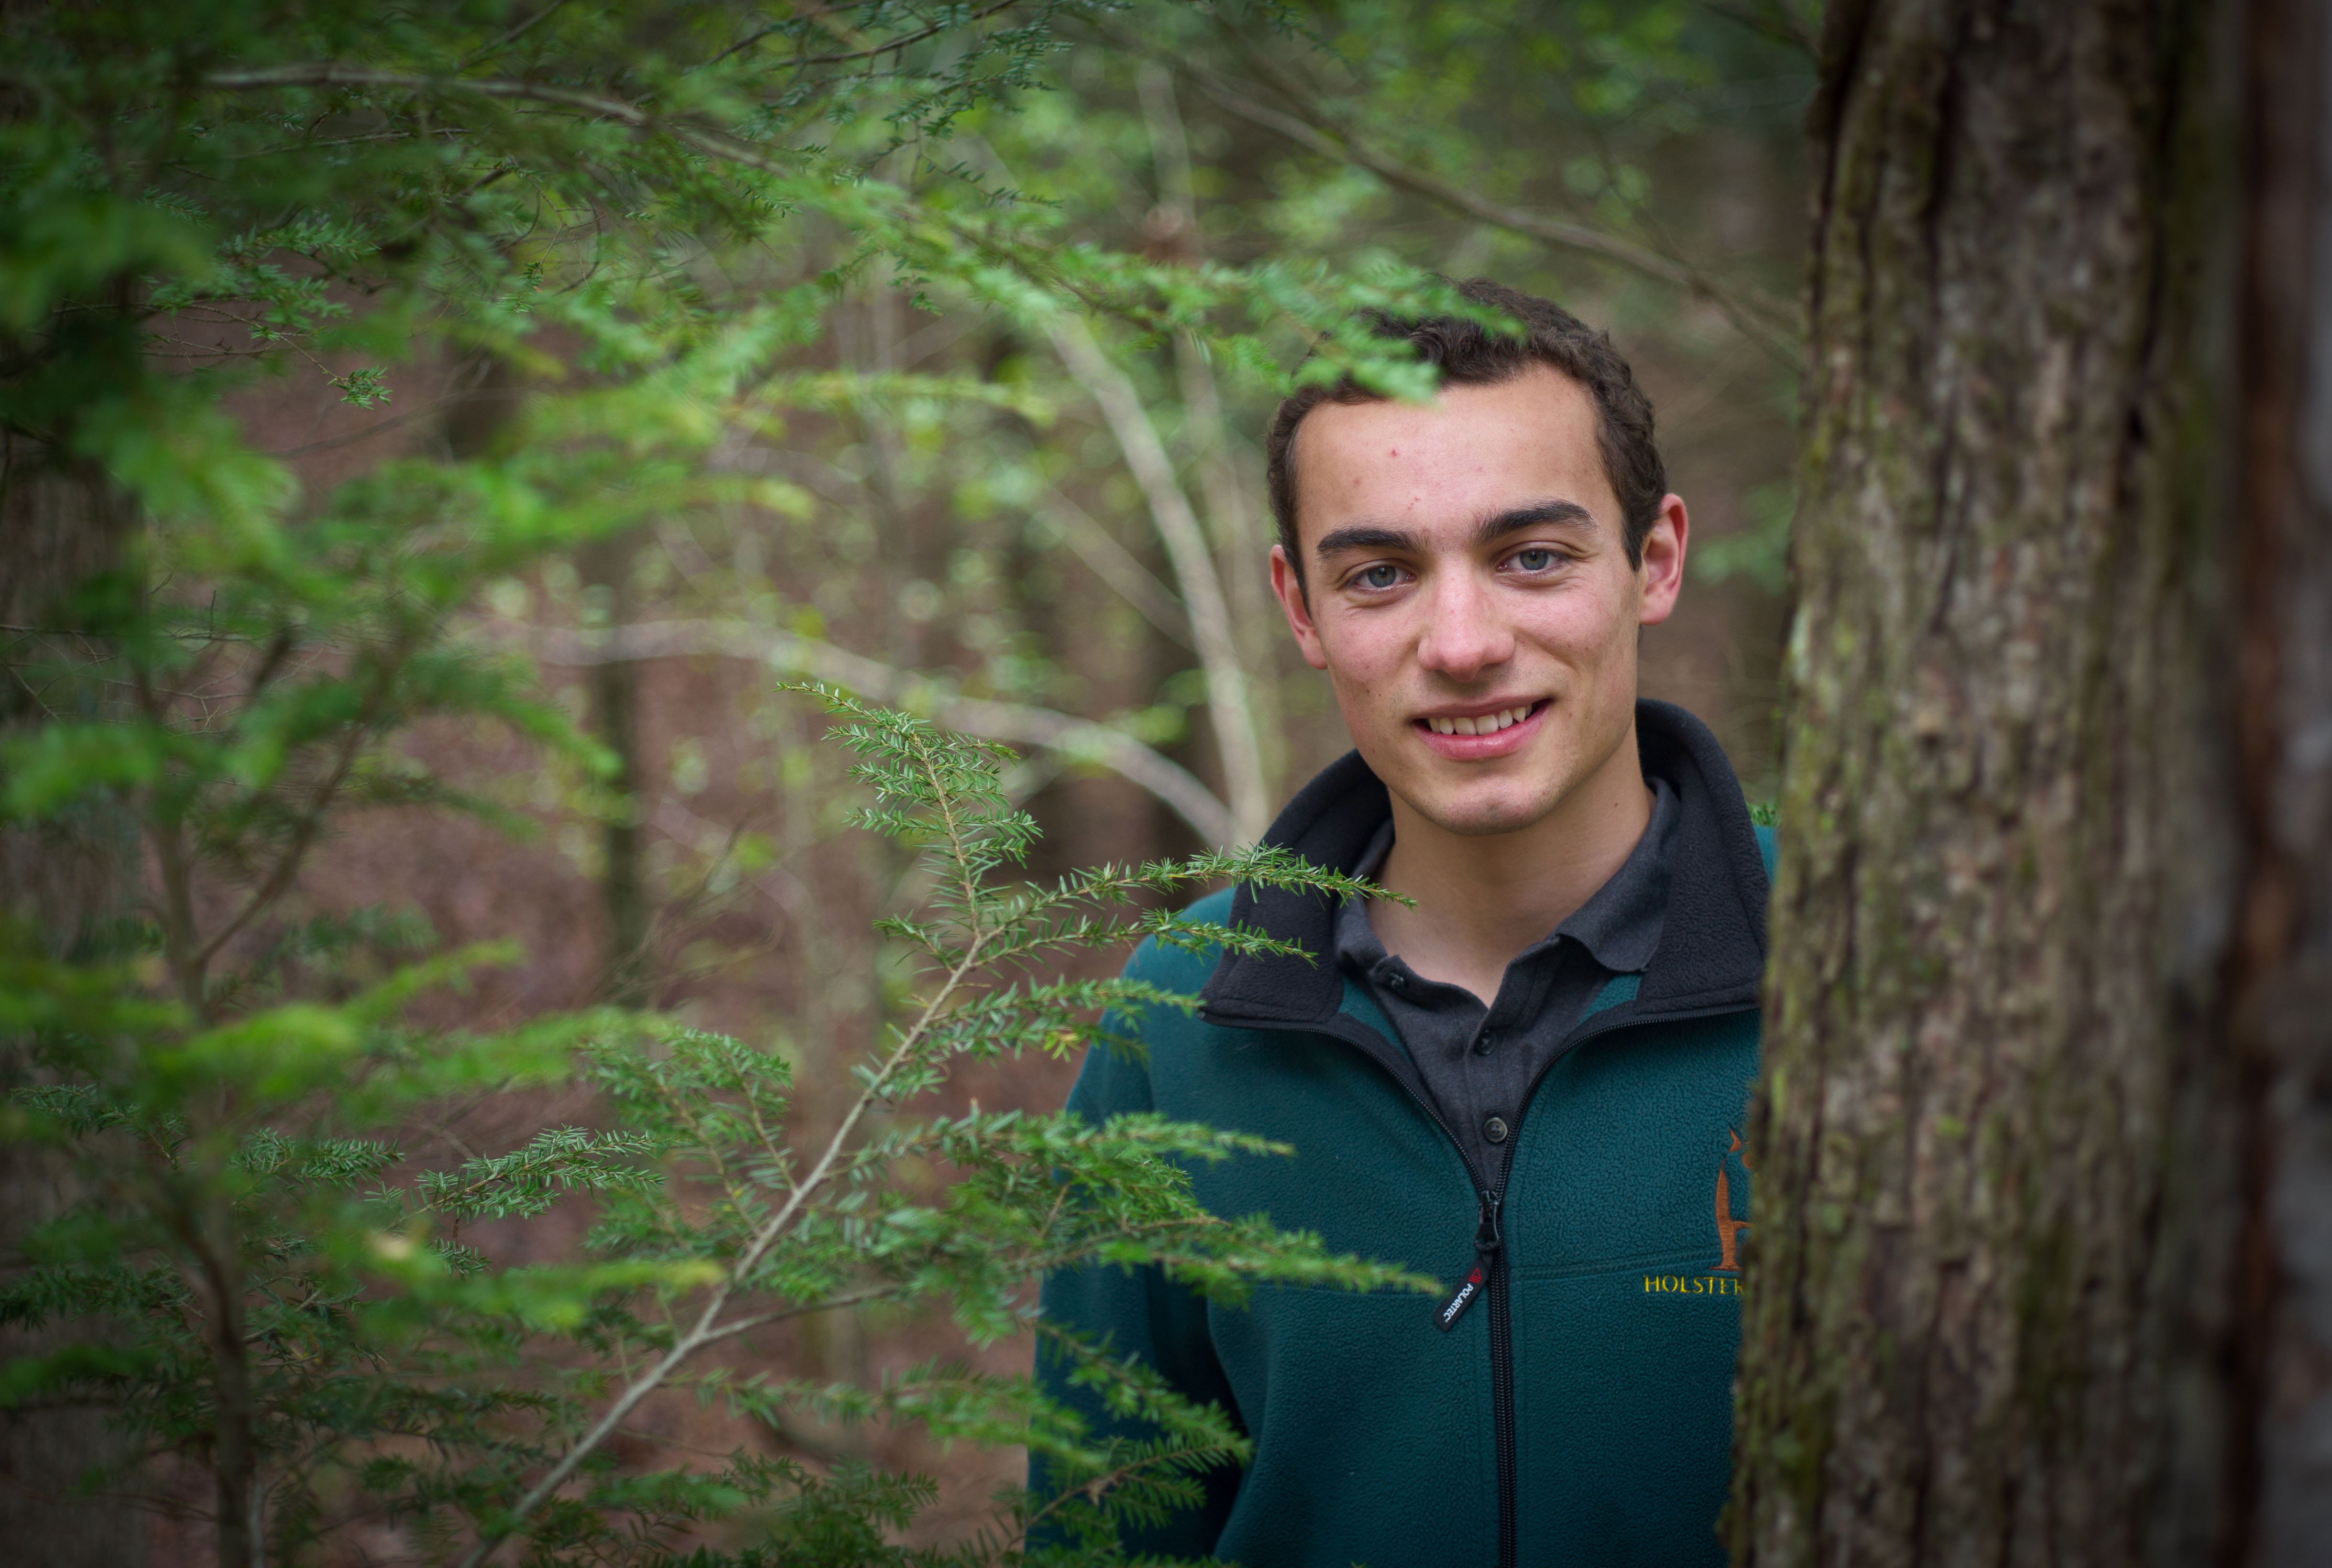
(1371, 710)
(1590, 625)
(1360, 646)
(1364, 657)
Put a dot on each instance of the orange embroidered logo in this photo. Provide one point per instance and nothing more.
(1729, 1229)
(1727, 1279)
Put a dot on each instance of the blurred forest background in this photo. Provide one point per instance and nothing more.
(1053, 535)
(1016, 551)
(1017, 547)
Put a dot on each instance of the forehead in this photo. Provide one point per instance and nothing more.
(1470, 453)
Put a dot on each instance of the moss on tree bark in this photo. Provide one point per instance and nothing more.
(2000, 1127)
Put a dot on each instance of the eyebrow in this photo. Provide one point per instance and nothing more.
(1496, 526)
(1524, 517)
(1343, 541)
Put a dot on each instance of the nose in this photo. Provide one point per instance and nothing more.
(1464, 633)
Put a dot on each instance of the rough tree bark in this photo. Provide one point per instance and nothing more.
(1990, 1307)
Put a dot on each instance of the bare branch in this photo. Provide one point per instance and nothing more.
(1194, 570)
(1231, 521)
(1080, 739)
(1117, 566)
(331, 74)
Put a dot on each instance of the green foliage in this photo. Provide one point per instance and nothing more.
(268, 1279)
(302, 1304)
(225, 188)
(258, 1174)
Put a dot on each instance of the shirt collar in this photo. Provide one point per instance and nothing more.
(1712, 952)
(1358, 948)
(1619, 925)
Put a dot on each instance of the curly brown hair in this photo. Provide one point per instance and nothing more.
(1471, 355)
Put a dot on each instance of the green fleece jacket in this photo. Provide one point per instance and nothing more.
(1569, 1400)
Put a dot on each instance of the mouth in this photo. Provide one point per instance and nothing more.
(1493, 733)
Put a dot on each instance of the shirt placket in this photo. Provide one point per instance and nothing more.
(1495, 1056)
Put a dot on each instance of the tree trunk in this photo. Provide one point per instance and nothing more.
(2281, 1010)
(1989, 1315)
(64, 884)
(629, 980)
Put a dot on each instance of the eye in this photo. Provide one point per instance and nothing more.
(1535, 559)
(1383, 575)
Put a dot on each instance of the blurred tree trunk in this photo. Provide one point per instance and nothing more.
(2004, 1122)
(476, 419)
(2282, 1011)
(605, 567)
(1241, 552)
(59, 528)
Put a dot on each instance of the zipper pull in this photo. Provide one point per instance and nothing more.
(1488, 1242)
(1487, 1238)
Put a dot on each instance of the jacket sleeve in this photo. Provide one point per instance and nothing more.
(1136, 1311)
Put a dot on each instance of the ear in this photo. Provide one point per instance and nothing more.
(1661, 575)
(1290, 589)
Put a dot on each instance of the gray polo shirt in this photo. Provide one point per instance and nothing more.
(1481, 1062)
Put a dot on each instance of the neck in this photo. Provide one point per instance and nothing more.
(1481, 899)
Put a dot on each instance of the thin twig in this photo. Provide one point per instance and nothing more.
(762, 1320)
(1755, 318)
(1093, 1490)
(933, 31)
(1784, 28)
(512, 36)
(1117, 566)
(206, 635)
(312, 822)
(332, 73)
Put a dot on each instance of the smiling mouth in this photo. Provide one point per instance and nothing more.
(1483, 724)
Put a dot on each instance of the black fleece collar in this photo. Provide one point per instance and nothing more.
(1712, 950)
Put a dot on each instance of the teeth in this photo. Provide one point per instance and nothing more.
(1486, 724)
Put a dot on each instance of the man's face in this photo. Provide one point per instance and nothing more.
(1470, 596)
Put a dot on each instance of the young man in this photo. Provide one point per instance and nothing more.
(1528, 1082)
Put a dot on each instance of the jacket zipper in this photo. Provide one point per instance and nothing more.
(1488, 1242)
(1501, 1383)
(1490, 1260)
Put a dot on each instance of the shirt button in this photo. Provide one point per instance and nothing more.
(1397, 981)
(1495, 1129)
(1487, 1043)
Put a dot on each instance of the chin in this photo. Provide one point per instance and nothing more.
(1483, 813)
